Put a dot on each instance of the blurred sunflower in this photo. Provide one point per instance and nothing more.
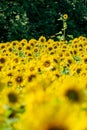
(11, 97)
(3, 59)
(72, 91)
(55, 118)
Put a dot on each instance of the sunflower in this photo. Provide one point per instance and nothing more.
(7, 44)
(16, 60)
(20, 48)
(54, 125)
(76, 68)
(47, 62)
(32, 42)
(65, 16)
(50, 47)
(75, 41)
(55, 118)
(31, 67)
(85, 48)
(24, 41)
(50, 41)
(69, 61)
(35, 50)
(84, 59)
(3, 59)
(9, 73)
(19, 79)
(52, 52)
(11, 97)
(27, 47)
(14, 43)
(28, 54)
(55, 59)
(60, 54)
(72, 92)
(30, 77)
(2, 46)
(82, 38)
(9, 80)
(80, 50)
(57, 74)
(42, 39)
(4, 51)
(84, 70)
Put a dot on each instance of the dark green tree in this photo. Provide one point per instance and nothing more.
(13, 21)
(32, 18)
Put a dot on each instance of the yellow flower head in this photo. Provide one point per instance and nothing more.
(65, 16)
(42, 39)
(11, 97)
(32, 42)
(71, 91)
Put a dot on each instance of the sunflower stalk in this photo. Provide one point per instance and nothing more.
(64, 29)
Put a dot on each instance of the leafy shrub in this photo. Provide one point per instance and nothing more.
(13, 21)
(31, 18)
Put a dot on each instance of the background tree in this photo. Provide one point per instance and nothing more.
(33, 18)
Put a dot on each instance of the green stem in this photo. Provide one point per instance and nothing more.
(64, 34)
(64, 30)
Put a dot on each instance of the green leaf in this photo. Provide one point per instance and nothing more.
(76, 58)
(21, 54)
(65, 71)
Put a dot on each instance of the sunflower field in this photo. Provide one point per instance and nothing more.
(43, 84)
(43, 65)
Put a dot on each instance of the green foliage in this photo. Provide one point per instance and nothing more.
(13, 21)
(77, 23)
(33, 18)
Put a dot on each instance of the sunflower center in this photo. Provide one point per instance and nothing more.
(78, 70)
(28, 47)
(19, 79)
(2, 60)
(42, 40)
(47, 63)
(85, 60)
(72, 95)
(12, 97)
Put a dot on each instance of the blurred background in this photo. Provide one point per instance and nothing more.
(32, 18)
